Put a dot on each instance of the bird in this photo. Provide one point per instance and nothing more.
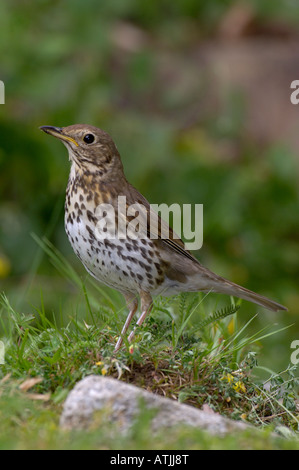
(139, 265)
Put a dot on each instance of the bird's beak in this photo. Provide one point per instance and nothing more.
(58, 132)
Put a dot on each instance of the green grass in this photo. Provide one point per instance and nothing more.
(182, 352)
(30, 424)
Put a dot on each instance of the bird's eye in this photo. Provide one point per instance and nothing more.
(88, 138)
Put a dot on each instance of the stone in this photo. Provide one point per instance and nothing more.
(122, 404)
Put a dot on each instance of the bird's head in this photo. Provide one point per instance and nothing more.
(90, 148)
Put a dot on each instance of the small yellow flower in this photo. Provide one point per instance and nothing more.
(104, 369)
(131, 349)
(239, 387)
(228, 377)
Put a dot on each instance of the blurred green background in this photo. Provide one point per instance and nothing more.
(196, 95)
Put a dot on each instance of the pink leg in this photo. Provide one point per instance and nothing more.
(132, 304)
(146, 307)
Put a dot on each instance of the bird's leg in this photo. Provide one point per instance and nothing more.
(132, 304)
(146, 307)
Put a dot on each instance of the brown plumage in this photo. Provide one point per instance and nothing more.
(143, 266)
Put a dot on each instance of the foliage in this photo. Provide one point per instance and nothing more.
(44, 361)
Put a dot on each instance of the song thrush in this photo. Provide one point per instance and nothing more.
(143, 266)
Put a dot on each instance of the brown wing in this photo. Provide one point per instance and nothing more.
(154, 227)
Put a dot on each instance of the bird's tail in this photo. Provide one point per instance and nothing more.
(223, 286)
